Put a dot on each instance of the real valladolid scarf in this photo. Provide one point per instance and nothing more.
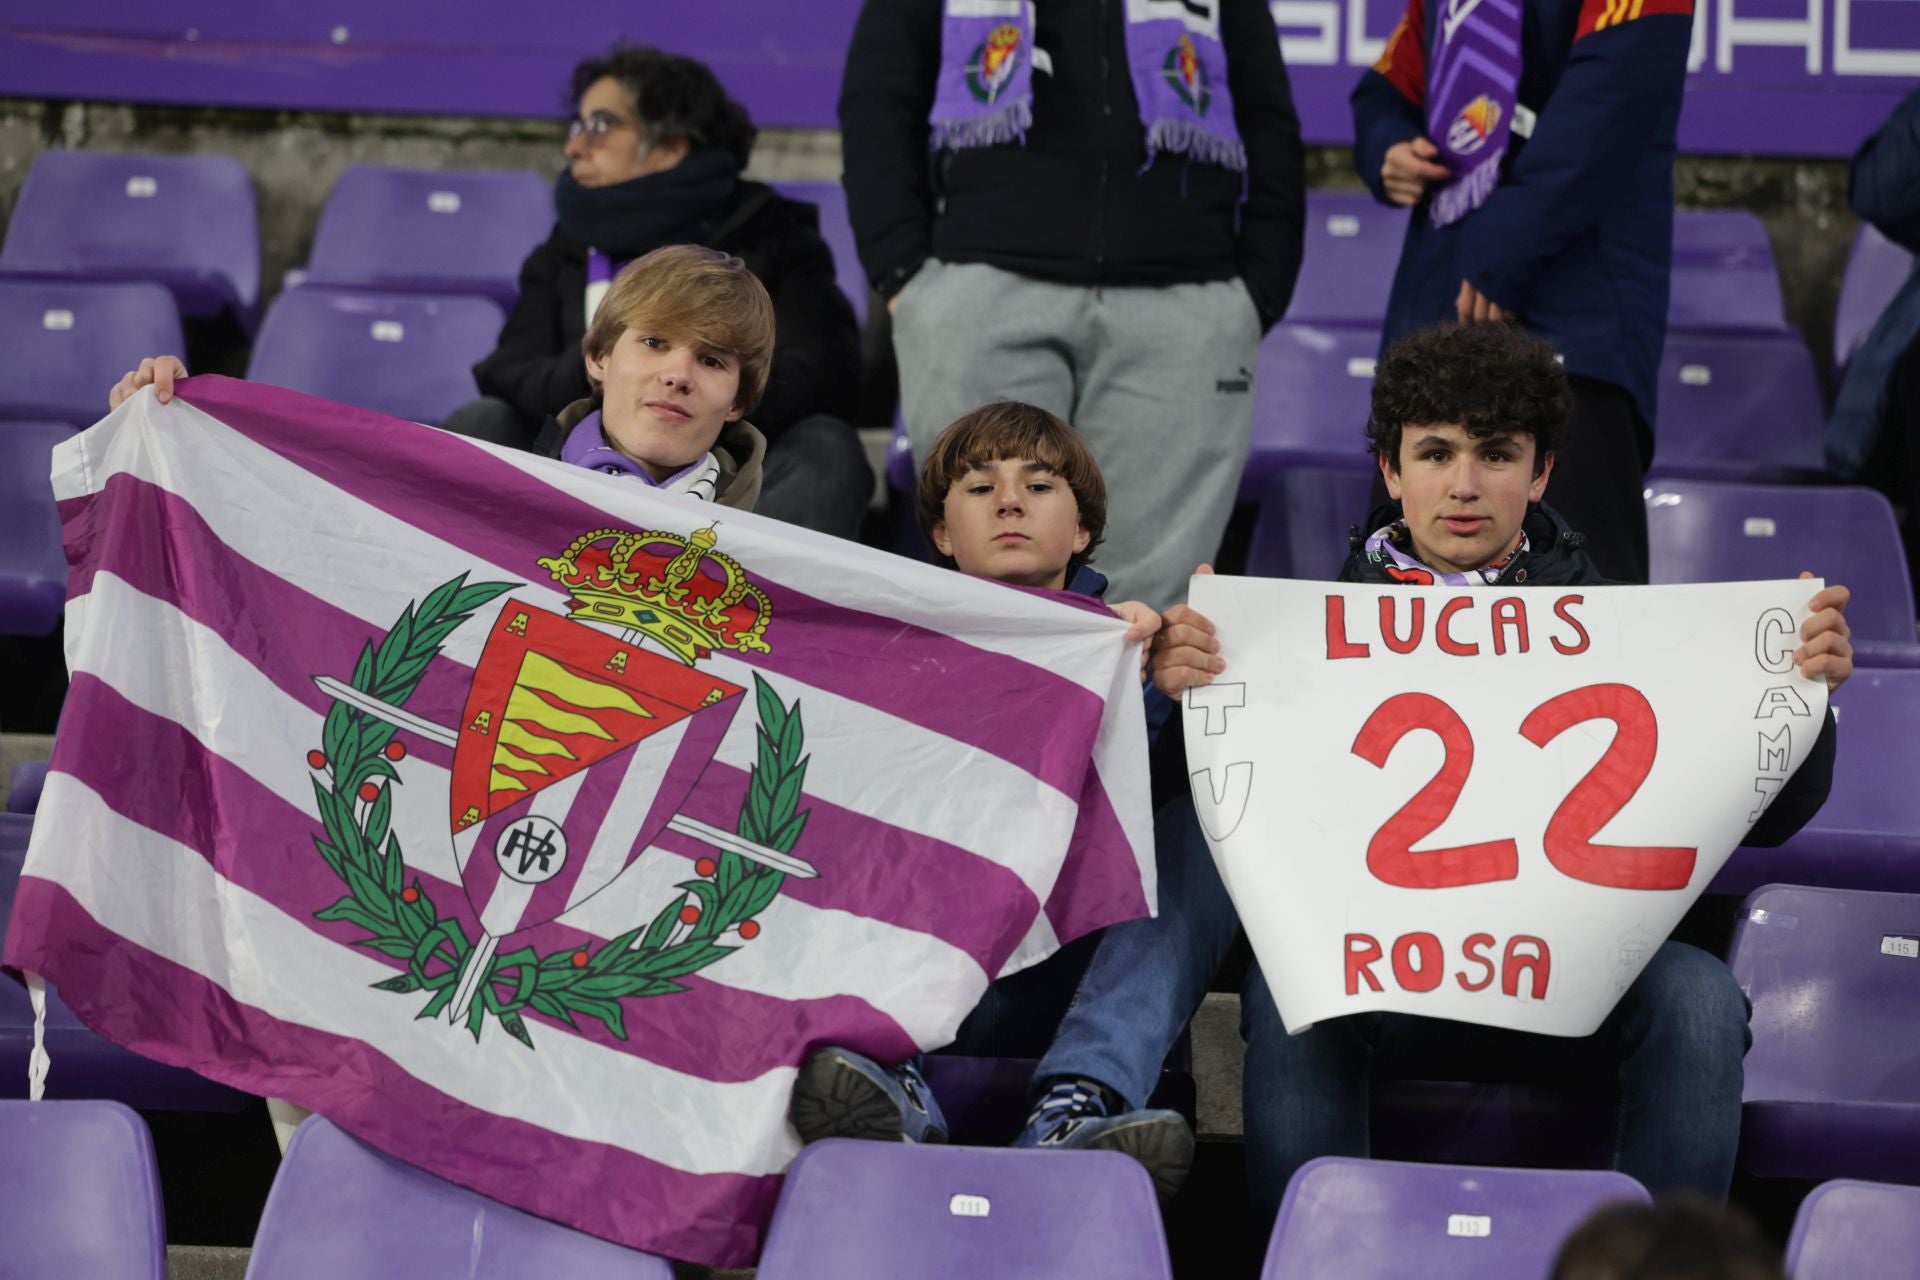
(1471, 82)
(1179, 68)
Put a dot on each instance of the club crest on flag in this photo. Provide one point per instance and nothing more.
(576, 749)
(994, 62)
(1187, 75)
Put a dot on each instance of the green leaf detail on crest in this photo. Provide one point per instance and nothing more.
(644, 961)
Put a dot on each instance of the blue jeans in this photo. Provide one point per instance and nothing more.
(1670, 1052)
(1148, 977)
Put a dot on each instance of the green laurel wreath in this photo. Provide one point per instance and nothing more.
(400, 917)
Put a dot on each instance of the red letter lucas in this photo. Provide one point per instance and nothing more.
(1447, 643)
(1338, 646)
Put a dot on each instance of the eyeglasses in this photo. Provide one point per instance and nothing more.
(596, 126)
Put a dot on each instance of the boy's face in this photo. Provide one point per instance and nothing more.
(665, 400)
(1012, 521)
(1464, 499)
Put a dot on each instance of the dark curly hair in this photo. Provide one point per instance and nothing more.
(675, 98)
(1485, 377)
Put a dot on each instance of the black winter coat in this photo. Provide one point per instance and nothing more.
(1072, 204)
(538, 368)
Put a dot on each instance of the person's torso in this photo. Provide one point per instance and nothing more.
(1078, 201)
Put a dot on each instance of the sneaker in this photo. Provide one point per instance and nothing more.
(843, 1094)
(1074, 1115)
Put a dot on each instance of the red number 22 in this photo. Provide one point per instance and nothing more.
(1568, 842)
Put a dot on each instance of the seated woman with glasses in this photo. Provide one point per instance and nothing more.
(654, 153)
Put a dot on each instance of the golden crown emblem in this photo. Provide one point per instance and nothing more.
(677, 591)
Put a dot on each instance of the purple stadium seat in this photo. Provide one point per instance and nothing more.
(1876, 268)
(958, 1213)
(1738, 407)
(1867, 835)
(79, 1192)
(900, 459)
(24, 786)
(1352, 244)
(67, 342)
(84, 1065)
(1311, 397)
(430, 230)
(835, 228)
(1304, 519)
(985, 1099)
(186, 222)
(33, 569)
(1724, 279)
(340, 1208)
(1380, 1220)
(1846, 1230)
(1832, 1087)
(1701, 531)
(409, 355)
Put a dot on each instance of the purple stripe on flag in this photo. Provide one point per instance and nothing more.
(870, 658)
(264, 845)
(158, 544)
(885, 872)
(1105, 887)
(162, 1010)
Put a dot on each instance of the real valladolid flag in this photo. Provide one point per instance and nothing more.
(533, 825)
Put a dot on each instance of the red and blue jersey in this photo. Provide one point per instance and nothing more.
(1577, 239)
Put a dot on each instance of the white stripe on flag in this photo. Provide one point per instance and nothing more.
(258, 729)
(271, 961)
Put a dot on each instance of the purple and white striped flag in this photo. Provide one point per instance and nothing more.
(532, 824)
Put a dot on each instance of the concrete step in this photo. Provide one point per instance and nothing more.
(206, 1262)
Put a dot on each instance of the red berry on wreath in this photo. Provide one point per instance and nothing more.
(396, 751)
(369, 792)
(409, 895)
(579, 959)
(317, 759)
(705, 867)
(689, 914)
(749, 929)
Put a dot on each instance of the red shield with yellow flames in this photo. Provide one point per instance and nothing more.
(576, 747)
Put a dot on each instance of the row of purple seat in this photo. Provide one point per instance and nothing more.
(80, 1195)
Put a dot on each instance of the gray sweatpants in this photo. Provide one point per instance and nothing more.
(1158, 379)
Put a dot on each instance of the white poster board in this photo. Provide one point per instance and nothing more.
(1483, 804)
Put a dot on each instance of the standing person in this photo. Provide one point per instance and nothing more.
(1873, 435)
(654, 155)
(1534, 143)
(1094, 206)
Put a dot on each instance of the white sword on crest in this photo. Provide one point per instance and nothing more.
(479, 960)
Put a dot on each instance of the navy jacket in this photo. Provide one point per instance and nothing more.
(1578, 237)
(1883, 187)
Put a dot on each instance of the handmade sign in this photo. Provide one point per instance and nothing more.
(1486, 805)
(533, 824)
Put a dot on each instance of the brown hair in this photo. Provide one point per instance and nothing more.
(1008, 430)
(1680, 1237)
(691, 294)
(1488, 378)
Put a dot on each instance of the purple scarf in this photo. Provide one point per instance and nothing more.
(1471, 82)
(1179, 67)
(586, 446)
(1389, 549)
